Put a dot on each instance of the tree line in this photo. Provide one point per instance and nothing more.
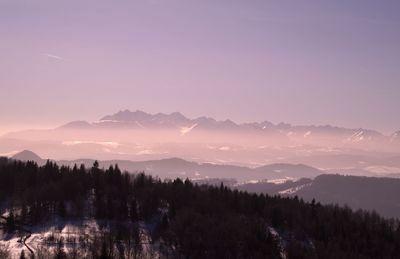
(186, 220)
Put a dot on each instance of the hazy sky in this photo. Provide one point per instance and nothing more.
(303, 62)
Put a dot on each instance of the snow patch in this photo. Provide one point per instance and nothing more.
(185, 130)
(224, 148)
(282, 180)
(276, 235)
(139, 124)
(294, 189)
(357, 136)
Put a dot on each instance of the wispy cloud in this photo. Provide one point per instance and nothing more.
(52, 56)
(9, 154)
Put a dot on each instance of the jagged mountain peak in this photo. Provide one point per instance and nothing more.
(138, 115)
(126, 115)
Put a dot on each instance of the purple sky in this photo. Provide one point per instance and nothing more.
(302, 62)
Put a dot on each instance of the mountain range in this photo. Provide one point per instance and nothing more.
(142, 120)
(182, 125)
(140, 136)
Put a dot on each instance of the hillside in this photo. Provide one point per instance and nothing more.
(368, 193)
(358, 192)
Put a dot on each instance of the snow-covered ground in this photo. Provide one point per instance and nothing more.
(71, 232)
(281, 244)
(41, 236)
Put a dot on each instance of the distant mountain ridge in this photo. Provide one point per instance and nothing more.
(176, 167)
(140, 119)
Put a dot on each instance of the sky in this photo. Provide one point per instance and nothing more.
(301, 62)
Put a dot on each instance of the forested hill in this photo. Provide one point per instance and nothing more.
(184, 220)
(380, 194)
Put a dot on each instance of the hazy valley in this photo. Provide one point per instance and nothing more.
(139, 136)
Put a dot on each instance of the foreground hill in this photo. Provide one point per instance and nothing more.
(368, 193)
(139, 216)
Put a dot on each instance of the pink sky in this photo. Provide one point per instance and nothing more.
(303, 62)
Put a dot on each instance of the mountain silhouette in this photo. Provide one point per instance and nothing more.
(27, 155)
(141, 119)
(177, 167)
